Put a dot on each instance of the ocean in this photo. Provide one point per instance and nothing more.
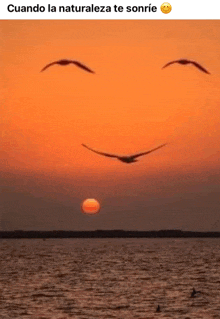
(109, 278)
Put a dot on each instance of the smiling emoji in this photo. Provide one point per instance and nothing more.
(166, 7)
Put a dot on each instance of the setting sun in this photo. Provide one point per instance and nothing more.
(90, 206)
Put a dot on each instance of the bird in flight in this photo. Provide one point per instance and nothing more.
(66, 62)
(125, 159)
(184, 62)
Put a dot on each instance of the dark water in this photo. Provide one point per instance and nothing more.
(109, 278)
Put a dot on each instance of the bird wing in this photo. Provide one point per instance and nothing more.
(169, 63)
(82, 66)
(147, 152)
(100, 153)
(48, 65)
(200, 67)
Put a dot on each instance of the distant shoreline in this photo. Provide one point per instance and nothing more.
(106, 234)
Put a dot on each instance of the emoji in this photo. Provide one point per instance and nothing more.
(166, 7)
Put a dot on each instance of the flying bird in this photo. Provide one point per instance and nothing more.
(66, 62)
(184, 62)
(125, 159)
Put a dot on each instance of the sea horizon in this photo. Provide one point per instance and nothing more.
(114, 233)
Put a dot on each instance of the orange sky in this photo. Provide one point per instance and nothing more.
(129, 105)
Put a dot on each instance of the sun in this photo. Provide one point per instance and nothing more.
(90, 206)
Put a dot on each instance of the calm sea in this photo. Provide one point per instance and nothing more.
(109, 278)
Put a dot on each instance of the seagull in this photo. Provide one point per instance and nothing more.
(194, 292)
(125, 159)
(184, 62)
(66, 62)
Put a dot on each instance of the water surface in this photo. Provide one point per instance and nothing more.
(109, 278)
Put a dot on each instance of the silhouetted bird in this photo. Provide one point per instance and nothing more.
(194, 292)
(184, 62)
(125, 159)
(66, 62)
(158, 308)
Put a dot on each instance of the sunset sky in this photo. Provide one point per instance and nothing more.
(129, 105)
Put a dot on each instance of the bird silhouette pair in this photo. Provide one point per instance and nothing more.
(129, 158)
(85, 68)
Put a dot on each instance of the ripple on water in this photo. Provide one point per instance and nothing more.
(124, 278)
